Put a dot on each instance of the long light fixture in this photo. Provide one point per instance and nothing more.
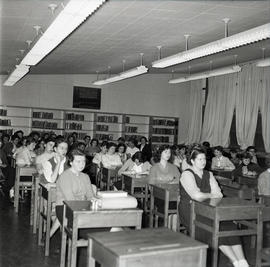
(207, 74)
(73, 14)
(243, 38)
(125, 74)
(19, 72)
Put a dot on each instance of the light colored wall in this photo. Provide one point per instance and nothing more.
(145, 95)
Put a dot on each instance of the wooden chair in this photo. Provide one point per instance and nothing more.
(161, 198)
(22, 185)
(108, 176)
(46, 200)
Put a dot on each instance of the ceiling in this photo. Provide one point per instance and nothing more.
(121, 29)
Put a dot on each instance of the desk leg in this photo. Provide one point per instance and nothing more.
(151, 209)
(146, 198)
(91, 261)
(48, 223)
(166, 209)
(64, 240)
(74, 240)
(32, 202)
(259, 238)
(215, 243)
(36, 208)
(40, 227)
(16, 190)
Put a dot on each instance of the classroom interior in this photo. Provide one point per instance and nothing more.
(182, 104)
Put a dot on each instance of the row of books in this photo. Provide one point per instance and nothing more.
(74, 117)
(131, 129)
(43, 115)
(7, 131)
(73, 126)
(161, 139)
(3, 112)
(134, 136)
(113, 119)
(5, 122)
(163, 131)
(108, 137)
(44, 124)
(102, 127)
(164, 122)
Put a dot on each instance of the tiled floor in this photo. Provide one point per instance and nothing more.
(18, 246)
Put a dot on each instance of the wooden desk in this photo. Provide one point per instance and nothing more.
(130, 182)
(148, 247)
(167, 193)
(79, 214)
(222, 173)
(250, 181)
(107, 176)
(22, 171)
(228, 209)
(233, 189)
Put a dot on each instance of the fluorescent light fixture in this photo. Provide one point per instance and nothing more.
(123, 75)
(71, 17)
(16, 75)
(243, 38)
(207, 74)
(263, 62)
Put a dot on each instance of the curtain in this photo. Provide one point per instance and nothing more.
(219, 109)
(195, 112)
(265, 107)
(247, 104)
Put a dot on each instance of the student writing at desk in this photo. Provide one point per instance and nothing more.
(197, 184)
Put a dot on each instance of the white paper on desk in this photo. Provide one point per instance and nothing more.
(112, 194)
(128, 202)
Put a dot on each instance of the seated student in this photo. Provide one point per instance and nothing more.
(247, 167)
(11, 146)
(26, 155)
(73, 184)
(131, 148)
(251, 150)
(111, 160)
(81, 146)
(121, 151)
(46, 155)
(135, 165)
(93, 149)
(178, 155)
(264, 180)
(197, 183)
(145, 148)
(234, 158)
(164, 171)
(219, 161)
(98, 157)
(40, 147)
(53, 167)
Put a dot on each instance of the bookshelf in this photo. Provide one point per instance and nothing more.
(109, 126)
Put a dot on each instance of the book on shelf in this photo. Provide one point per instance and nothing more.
(80, 135)
(131, 129)
(5, 122)
(42, 115)
(104, 137)
(164, 122)
(44, 124)
(163, 131)
(7, 131)
(133, 136)
(102, 127)
(3, 112)
(73, 126)
(74, 117)
(127, 119)
(111, 119)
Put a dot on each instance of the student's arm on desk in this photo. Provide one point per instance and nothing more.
(215, 189)
(188, 182)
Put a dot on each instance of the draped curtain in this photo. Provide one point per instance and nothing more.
(219, 109)
(265, 107)
(195, 111)
(248, 97)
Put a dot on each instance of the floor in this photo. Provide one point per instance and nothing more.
(18, 246)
